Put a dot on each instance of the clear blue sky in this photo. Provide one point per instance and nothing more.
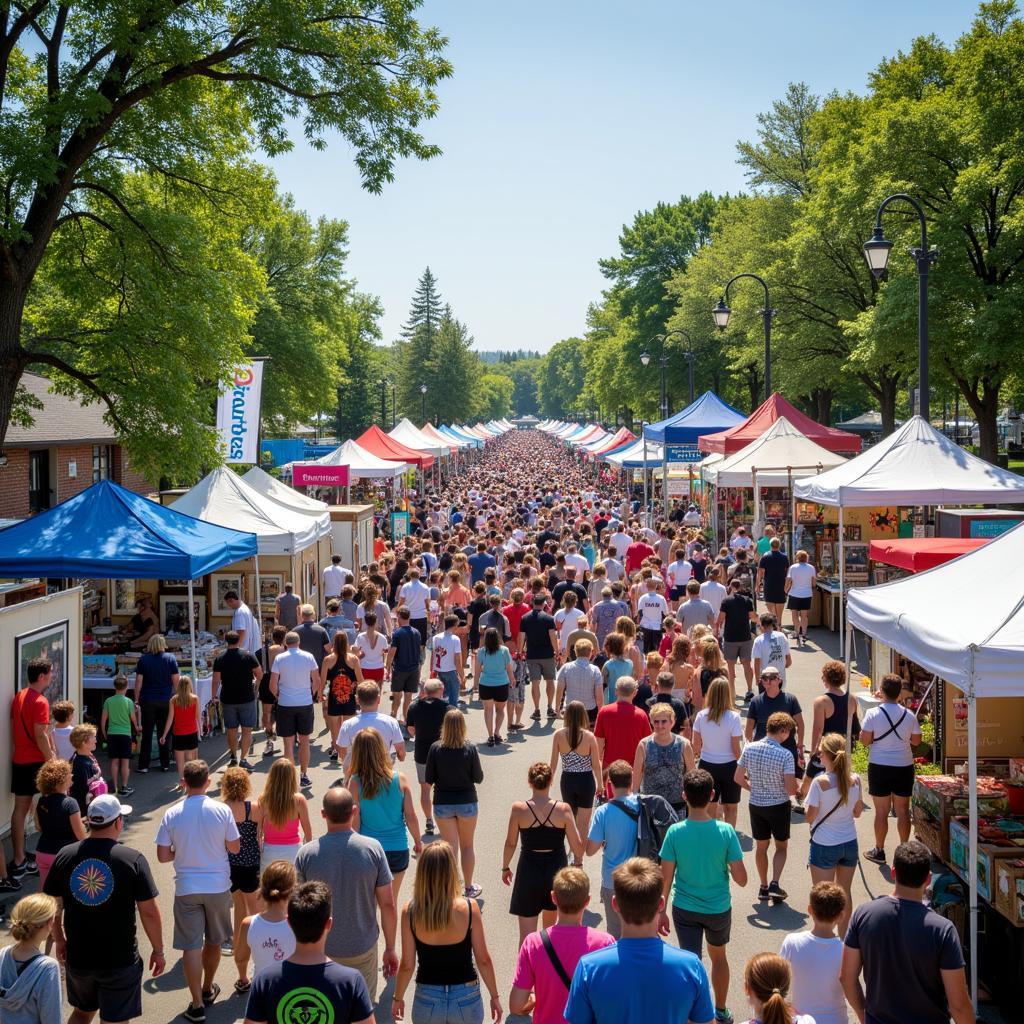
(564, 118)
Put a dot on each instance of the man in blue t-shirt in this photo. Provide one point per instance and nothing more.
(402, 663)
(639, 980)
(480, 563)
(614, 833)
(309, 985)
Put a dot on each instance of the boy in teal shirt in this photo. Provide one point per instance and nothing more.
(698, 857)
(118, 721)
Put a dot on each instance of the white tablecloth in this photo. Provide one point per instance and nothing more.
(203, 685)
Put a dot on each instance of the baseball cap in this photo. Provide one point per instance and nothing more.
(105, 809)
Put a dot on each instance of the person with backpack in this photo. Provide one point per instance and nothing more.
(698, 858)
(548, 958)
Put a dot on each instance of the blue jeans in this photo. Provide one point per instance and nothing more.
(451, 687)
(448, 1004)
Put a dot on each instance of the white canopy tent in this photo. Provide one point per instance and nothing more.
(977, 646)
(915, 465)
(282, 494)
(633, 456)
(361, 463)
(407, 433)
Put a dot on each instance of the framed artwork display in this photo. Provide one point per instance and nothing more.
(50, 642)
(174, 612)
(122, 597)
(271, 585)
(222, 583)
(855, 562)
(181, 585)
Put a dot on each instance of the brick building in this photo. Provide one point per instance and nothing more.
(67, 449)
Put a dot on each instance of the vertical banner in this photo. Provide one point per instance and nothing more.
(238, 414)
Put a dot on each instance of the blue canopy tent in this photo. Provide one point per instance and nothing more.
(476, 442)
(109, 532)
(684, 427)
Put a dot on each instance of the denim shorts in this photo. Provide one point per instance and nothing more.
(240, 715)
(456, 810)
(842, 855)
(448, 1004)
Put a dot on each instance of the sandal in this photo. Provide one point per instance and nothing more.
(243, 986)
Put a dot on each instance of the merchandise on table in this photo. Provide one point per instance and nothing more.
(994, 842)
(938, 799)
(1009, 899)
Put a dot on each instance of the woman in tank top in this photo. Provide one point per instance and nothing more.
(284, 810)
(266, 937)
(235, 791)
(443, 941)
(833, 711)
(662, 759)
(386, 808)
(340, 674)
(575, 747)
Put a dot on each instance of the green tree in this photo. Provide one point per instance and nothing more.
(416, 355)
(361, 368)
(562, 378)
(93, 93)
(523, 371)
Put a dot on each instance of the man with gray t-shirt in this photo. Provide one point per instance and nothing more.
(356, 869)
(694, 611)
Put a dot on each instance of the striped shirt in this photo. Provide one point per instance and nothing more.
(767, 763)
(582, 681)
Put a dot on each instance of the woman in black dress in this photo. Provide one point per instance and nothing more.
(339, 676)
(541, 825)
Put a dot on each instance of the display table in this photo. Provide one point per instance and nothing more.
(866, 700)
(830, 595)
(203, 686)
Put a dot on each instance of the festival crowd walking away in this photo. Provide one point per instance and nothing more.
(645, 670)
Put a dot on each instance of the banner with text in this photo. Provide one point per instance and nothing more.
(304, 475)
(682, 453)
(238, 414)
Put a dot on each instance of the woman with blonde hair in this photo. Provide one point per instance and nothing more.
(235, 791)
(266, 937)
(766, 980)
(834, 803)
(282, 810)
(576, 748)
(372, 603)
(453, 769)
(442, 938)
(385, 803)
(717, 732)
(627, 627)
(183, 722)
(30, 980)
(698, 634)
(712, 665)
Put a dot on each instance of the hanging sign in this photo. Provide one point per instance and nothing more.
(238, 414)
(307, 475)
(682, 453)
(399, 525)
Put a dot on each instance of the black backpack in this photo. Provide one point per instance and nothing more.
(654, 818)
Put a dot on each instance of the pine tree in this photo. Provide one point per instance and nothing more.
(450, 398)
(417, 353)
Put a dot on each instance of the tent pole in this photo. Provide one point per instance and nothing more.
(192, 638)
(792, 522)
(664, 477)
(259, 611)
(842, 582)
(972, 813)
(849, 718)
(644, 513)
(757, 506)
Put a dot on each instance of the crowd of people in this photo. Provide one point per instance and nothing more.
(541, 592)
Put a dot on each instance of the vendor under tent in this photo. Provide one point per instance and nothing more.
(376, 442)
(915, 465)
(772, 408)
(975, 645)
(107, 532)
(918, 554)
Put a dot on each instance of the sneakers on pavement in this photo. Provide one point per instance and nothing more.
(536, 715)
(776, 892)
(428, 828)
(209, 998)
(232, 762)
(9, 885)
(304, 781)
(243, 763)
(196, 1014)
(875, 855)
(723, 1016)
(762, 892)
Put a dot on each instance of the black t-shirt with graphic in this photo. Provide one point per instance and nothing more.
(288, 993)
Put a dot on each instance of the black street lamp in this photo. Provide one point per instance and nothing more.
(687, 355)
(876, 252)
(423, 402)
(645, 358)
(722, 312)
(394, 405)
(384, 402)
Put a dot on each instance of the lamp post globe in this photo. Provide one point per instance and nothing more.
(876, 251)
(721, 313)
(645, 358)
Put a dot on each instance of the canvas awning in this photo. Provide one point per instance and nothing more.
(361, 463)
(282, 494)
(919, 554)
(407, 433)
(429, 430)
(704, 416)
(376, 442)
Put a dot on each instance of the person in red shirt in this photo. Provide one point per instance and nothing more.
(621, 726)
(514, 613)
(636, 553)
(30, 716)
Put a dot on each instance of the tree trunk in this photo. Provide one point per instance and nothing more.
(823, 403)
(986, 412)
(754, 385)
(12, 356)
(888, 386)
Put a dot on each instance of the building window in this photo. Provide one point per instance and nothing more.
(102, 459)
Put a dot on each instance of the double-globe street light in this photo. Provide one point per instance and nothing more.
(722, 312)
(645, 358)
(876, 251)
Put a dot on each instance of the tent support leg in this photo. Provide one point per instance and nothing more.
(972, 811)
(259, 609)
(792, 523)
(644, 511)
(192, 638)
(842, 585)
(849, 721)
(664, 479)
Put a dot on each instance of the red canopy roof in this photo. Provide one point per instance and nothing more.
(376, 442)
(920, 553)
(621, 436)
(726, 442)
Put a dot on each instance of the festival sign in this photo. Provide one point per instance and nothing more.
(312, 475)
(238, 414)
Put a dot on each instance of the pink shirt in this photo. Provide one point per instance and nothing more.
(534, 970)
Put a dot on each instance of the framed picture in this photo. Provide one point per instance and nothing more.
(851, 532)
(181, 585)
(855, 562)
(775, 510)
(122, 596)
(271, 585)
(222, 583)
(46, 642)
(174, 613)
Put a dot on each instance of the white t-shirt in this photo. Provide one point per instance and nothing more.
(652, 608)
(740, 541)
(243, 618)
(565, 623)
(619, 542)
(582, 565)
(841, 826)
(294, 686)
(415, 595)
(716, 737)
(380, 609)
(334, 580)
(372, 653)
(679, 573)
(801, 573)
(815, 984)
(445, 652)
(772, 649)
(389, 729)
(614, 570)
(894, 750)
(198, 827)
(270, 942)
(714, 593)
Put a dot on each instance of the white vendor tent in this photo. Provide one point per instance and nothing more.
(223, 498)
(977, 645)
(634, 456)
(282, 494)
(361, 463)
(407, 433)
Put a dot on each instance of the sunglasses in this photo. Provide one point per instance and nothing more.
(770, 675)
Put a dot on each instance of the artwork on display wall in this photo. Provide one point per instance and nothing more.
(174, 613)
(855, 562)
(51, 642)
(851, 532)
(271, 585)
(122, 597)
(181, 585)
(222, 583)
(775, 510)
(808, 512)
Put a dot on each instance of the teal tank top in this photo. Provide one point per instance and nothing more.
(383, 819)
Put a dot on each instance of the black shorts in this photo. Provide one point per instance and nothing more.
(338, 709)
(294, 721)
(188, 742)
(266, 697)
(422, 626)
(398, 860)
(890, 780)
(771, 822)
(495, 693)
(798, 604)
(727, 789)
(578, 789)
(119, 747)
(403, 681)
(775, 597)
(677, 593)
(245, 877)
(116, 993)
(23, 778)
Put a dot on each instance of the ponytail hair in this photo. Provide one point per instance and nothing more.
(834, 745)
(768, 978)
